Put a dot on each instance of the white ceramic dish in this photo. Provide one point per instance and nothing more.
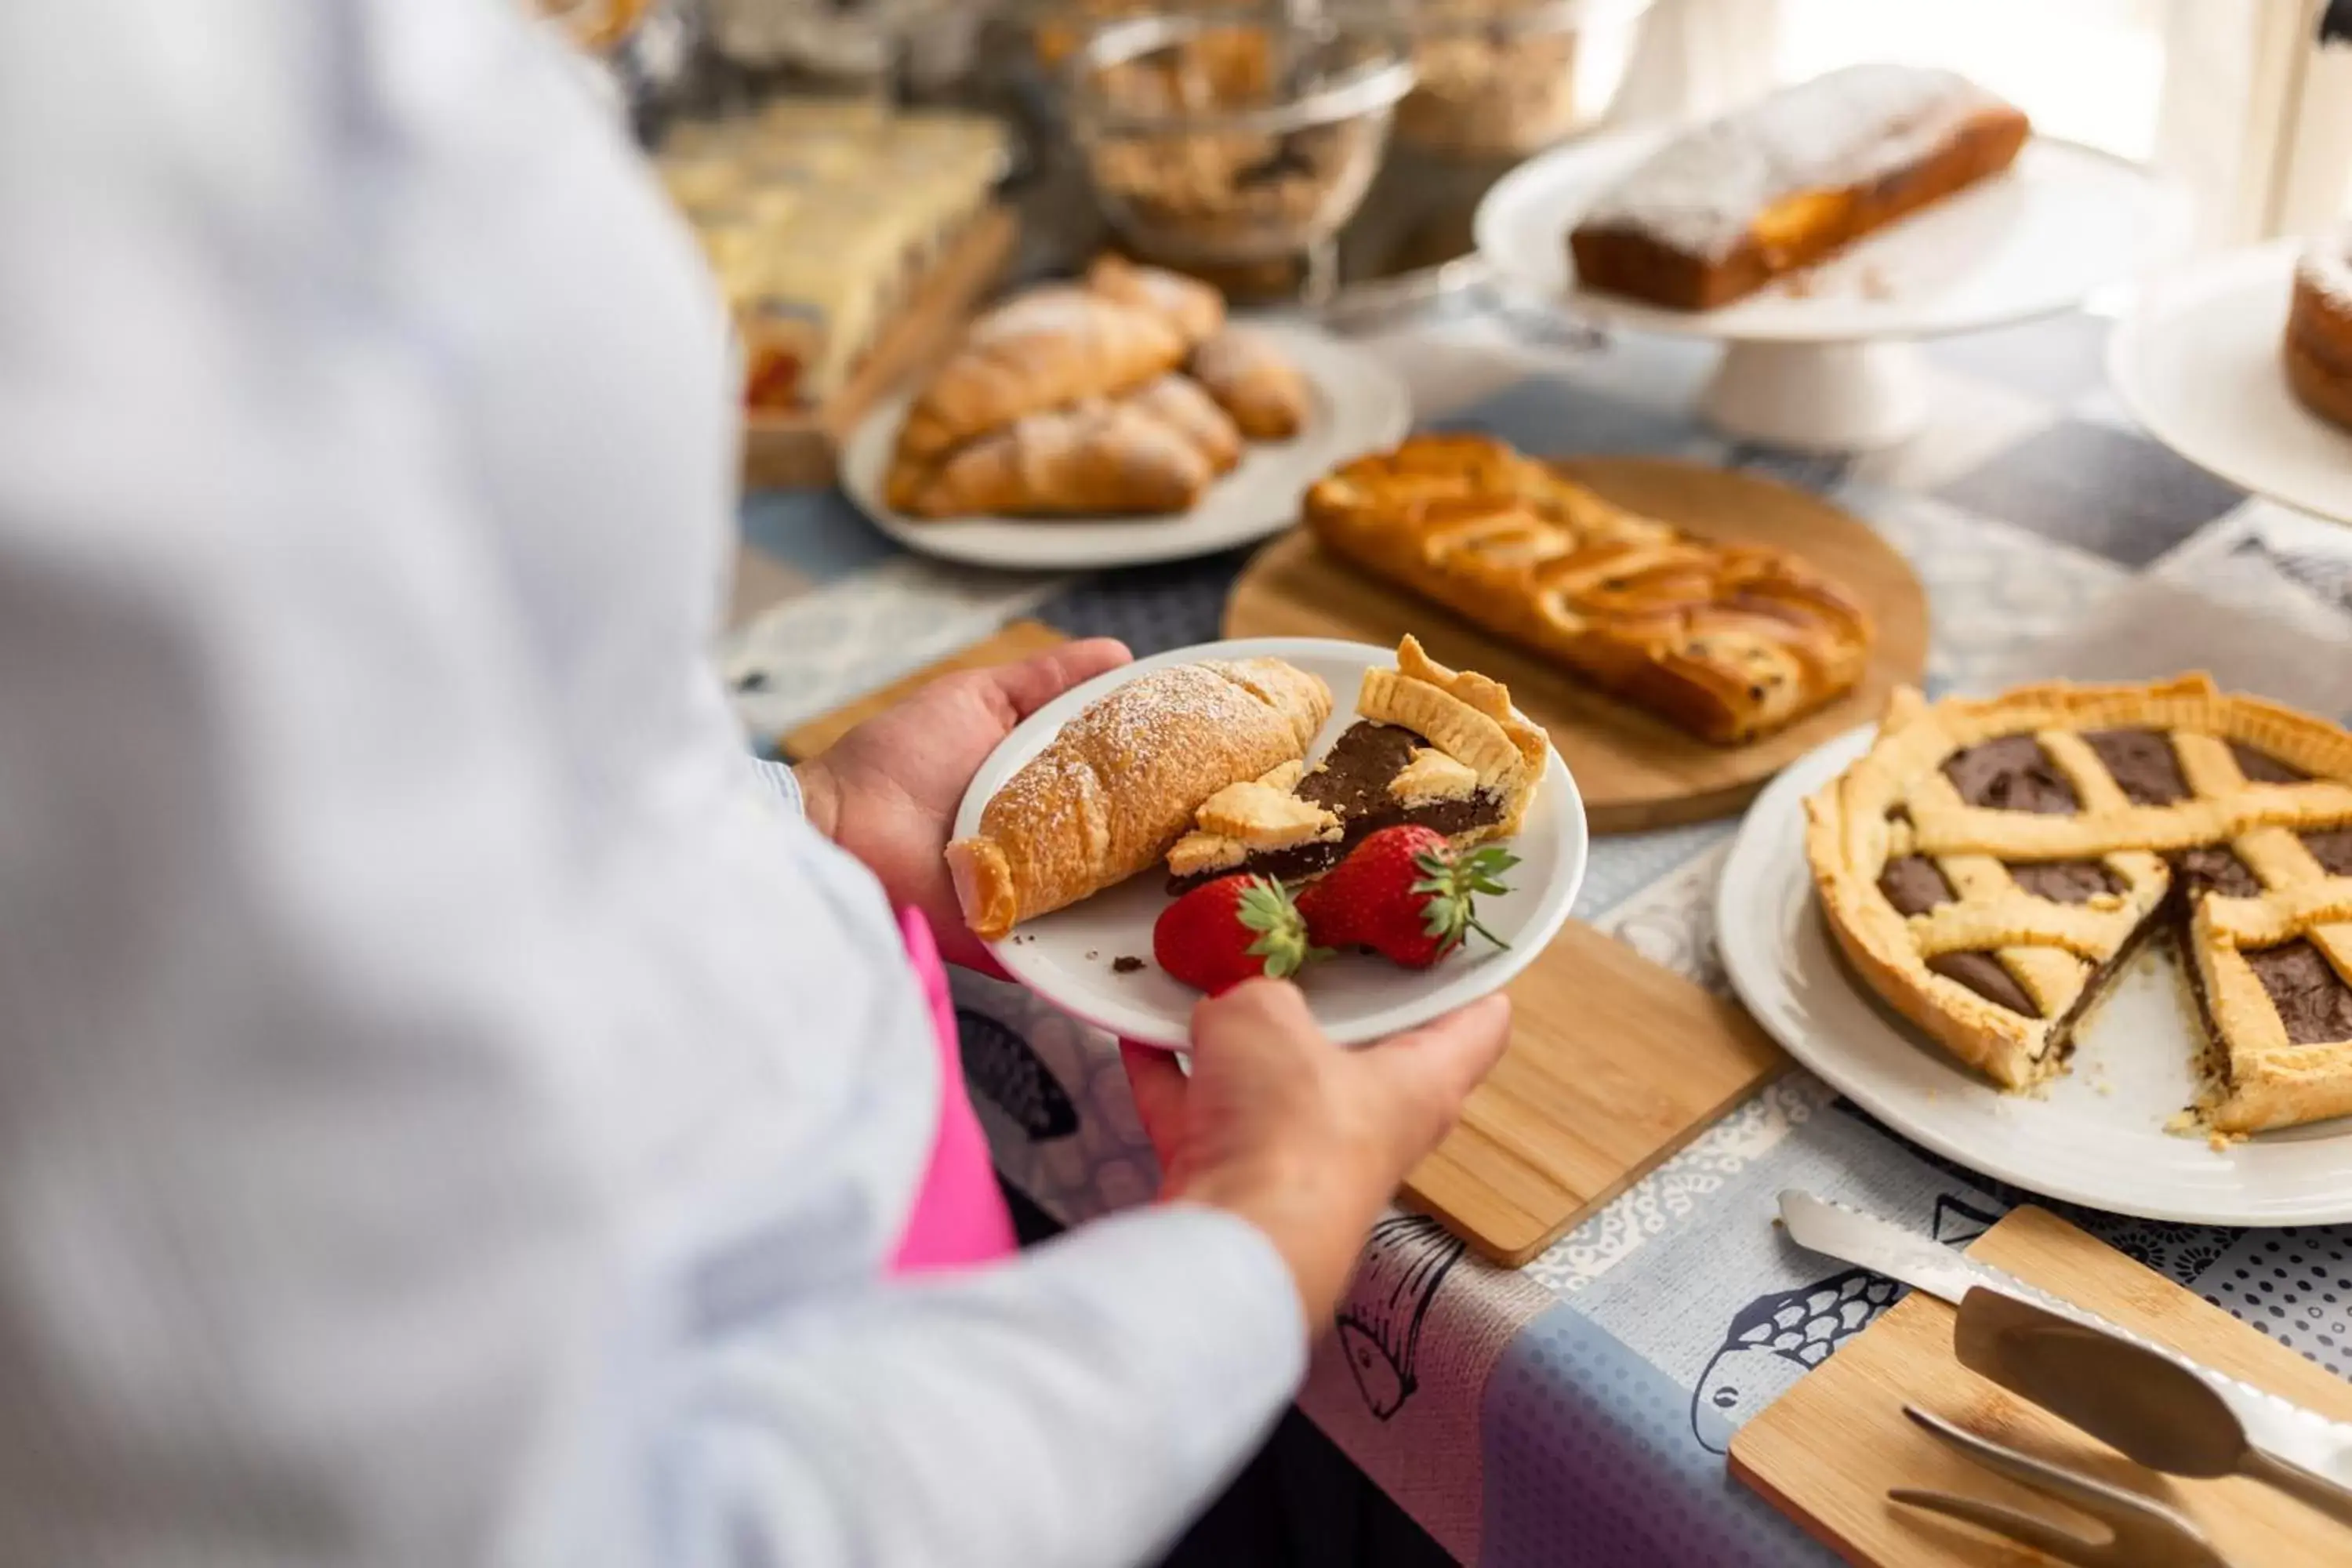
(1820, 362)
(1360, 405)
(2196, 364)
(2094, 1136)
(1067, 956)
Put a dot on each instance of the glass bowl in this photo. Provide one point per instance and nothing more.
(1212, 140)
(1505, 78)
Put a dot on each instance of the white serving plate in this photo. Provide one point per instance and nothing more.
(2094, 1136)
(2196, 364)
(1360, 405)
(1065, 957)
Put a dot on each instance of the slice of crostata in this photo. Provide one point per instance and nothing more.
(1440, 748)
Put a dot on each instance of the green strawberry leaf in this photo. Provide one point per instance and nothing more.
(1451, 884)
(1265, 908)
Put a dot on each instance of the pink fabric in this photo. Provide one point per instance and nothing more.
(959, 1218)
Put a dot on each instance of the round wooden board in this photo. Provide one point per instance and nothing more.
(1636, 772)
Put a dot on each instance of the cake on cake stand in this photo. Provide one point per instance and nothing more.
(1827, 360)
(2199, 363)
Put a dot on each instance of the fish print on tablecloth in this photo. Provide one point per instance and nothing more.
(1775, 1339)
(998, 1064)
(1379, 1322)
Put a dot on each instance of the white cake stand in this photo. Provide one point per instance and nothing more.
(1825, 360)
(2196, 364)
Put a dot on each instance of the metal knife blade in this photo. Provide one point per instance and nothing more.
(2276, 1425)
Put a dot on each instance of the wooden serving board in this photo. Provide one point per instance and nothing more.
(1827, 1450)
(1635, 772)
(798, 451)
(1614, 1064)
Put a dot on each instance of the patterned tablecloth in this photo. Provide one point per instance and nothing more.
(1580, 1409)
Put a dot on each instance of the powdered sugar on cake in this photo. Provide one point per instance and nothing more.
(2326, 267)
(1700, 192)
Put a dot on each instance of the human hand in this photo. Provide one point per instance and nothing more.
(1307, 1140)
(888, 791)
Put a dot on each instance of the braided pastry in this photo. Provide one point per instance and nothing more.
(1725, 641)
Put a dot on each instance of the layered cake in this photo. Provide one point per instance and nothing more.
(821, 219)
(2319, 347)
(1725, 641)
(1725, 207)
(1988, 866)
(1439, 748)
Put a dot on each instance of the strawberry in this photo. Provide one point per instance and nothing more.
(1232, 929)
(1405, 894)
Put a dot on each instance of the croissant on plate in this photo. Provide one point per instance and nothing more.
(1038, 351)
(1120, 783)
(1095, 459)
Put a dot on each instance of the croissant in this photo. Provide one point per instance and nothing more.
(1038, 351)
(1178, 402)
(1260, 390)
(1110, 793)
(1192, 307)
(1095, 459)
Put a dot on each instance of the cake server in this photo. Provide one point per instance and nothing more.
(2139, 1401)
(2278, 1431)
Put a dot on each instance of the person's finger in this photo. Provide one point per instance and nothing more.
(1435, 1067)
(1160, 1087)
(1273, 1005)
(1034, 682)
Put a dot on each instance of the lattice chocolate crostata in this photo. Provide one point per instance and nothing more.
(1988, 864)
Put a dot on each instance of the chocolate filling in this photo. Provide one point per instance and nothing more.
(2313, 1001)
(1989, 977)
(2261, 767)
(2096, 984)
(1914, 885)
(2143, 762)
(1290, 865)
(1352, 783)
(2010, 772)
(2066, 881)
(2332, 847)
(2214, 868)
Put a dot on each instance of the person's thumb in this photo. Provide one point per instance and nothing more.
(1034, 682)
(1424, 1075)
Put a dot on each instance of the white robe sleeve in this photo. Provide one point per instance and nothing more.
(310, 1247)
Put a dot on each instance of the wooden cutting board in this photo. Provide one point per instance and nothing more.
(798, 451)
(1614, 1063)
(1635, 772)
(1827, 1450)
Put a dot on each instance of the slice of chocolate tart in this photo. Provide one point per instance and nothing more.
(1440, 748)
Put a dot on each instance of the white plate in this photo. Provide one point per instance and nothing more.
(1360, 405)
(1065, 957)
(2063, 220)
(2093, 1136)
(2197, 363)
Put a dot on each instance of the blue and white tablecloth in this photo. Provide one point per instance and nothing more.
(1580, 1409)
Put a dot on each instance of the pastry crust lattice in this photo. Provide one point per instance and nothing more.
(1896, 800)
